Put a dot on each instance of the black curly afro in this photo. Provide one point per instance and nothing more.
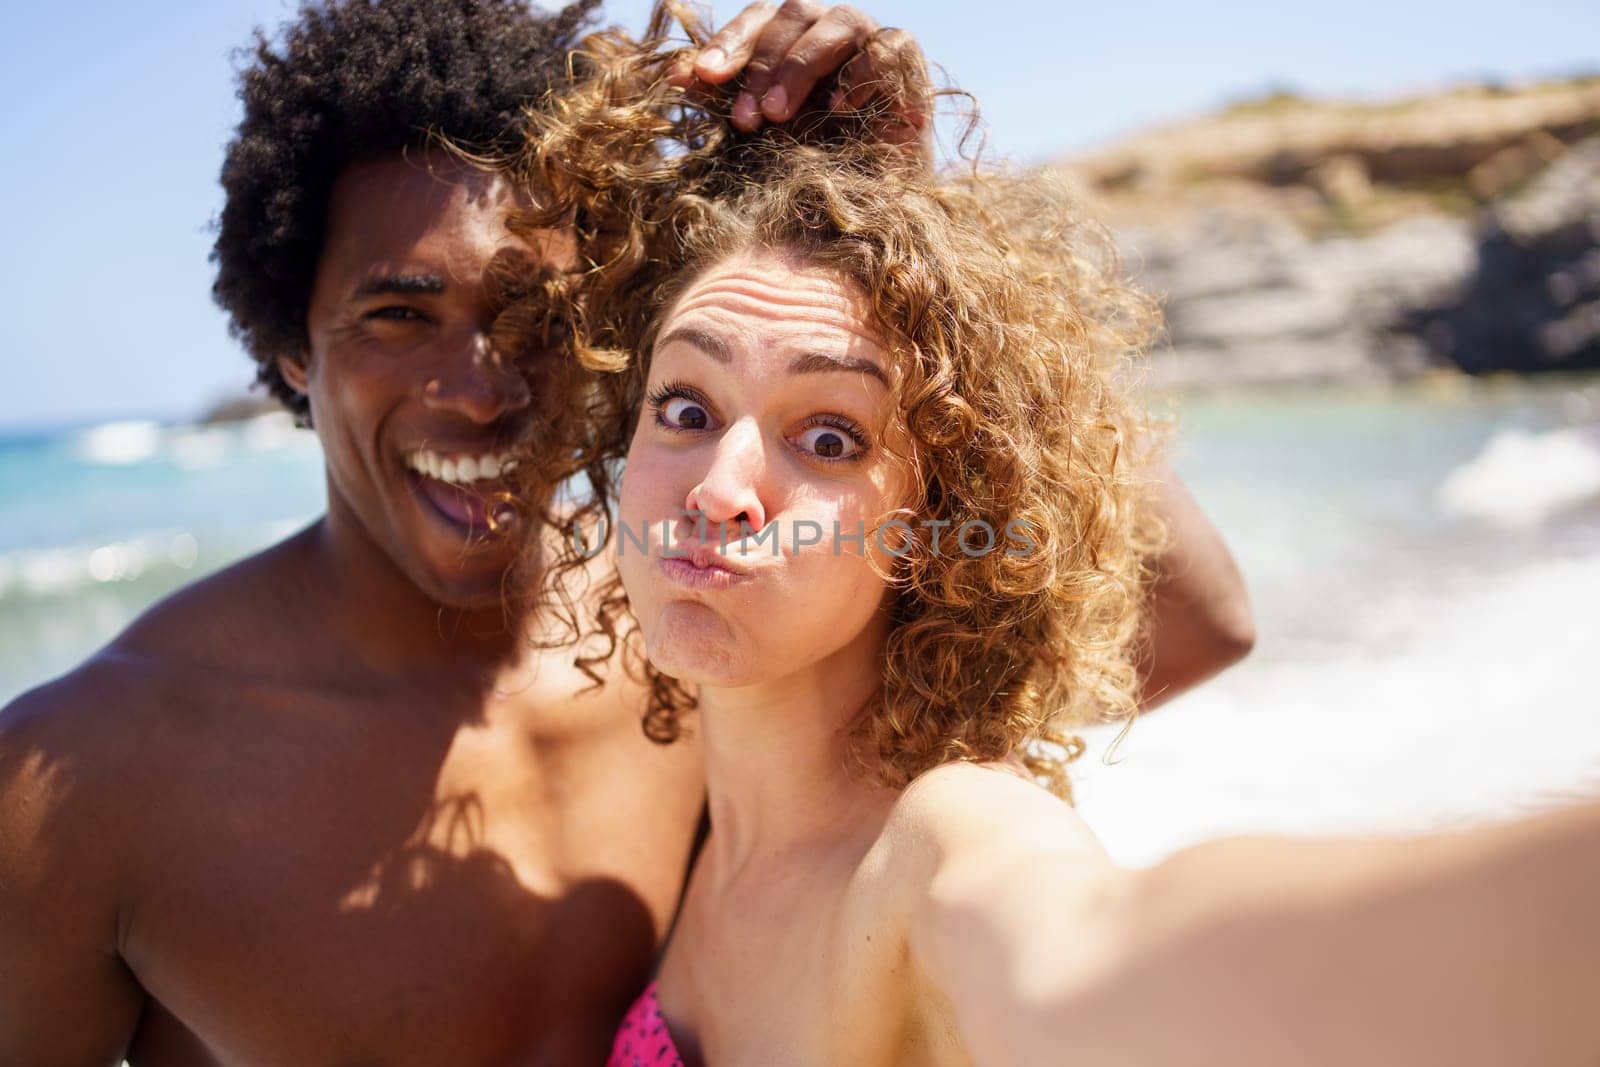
(352, 80)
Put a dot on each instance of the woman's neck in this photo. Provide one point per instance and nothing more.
(778, 768)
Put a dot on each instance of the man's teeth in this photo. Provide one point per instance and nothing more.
(461, 470)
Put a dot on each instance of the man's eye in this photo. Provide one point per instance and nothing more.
(396, 313)
(681, 413)
(829, 442)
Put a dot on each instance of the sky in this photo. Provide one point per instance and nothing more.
(116, 115)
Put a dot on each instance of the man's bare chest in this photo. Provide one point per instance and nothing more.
(493, 907)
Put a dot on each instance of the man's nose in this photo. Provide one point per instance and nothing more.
(730, 491)
(476, 381)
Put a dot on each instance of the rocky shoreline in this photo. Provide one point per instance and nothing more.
(1326, 243)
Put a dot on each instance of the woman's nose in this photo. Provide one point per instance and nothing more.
(477, 382)
(730, 492)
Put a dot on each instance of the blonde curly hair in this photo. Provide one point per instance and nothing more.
(1011, 334)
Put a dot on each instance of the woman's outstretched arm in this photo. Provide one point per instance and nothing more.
(1480, 947)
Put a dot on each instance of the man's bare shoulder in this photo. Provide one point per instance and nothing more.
(221, 621)
(123, 709)
(68, 832)
(72, 788)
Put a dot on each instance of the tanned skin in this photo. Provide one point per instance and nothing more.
(327, 806)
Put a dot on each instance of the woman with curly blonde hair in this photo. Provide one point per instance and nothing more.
(1021, 547)
(882, 510)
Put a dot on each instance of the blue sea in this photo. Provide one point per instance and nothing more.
(1424, 563)
(99, 522)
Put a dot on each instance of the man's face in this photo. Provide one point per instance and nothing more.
(416, 410)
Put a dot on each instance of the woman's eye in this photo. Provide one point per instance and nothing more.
(828, 442)
(681, 413)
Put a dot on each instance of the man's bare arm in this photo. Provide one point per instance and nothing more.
(1201, 621)
(66, 997)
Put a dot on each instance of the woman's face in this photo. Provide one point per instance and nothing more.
(763, 429)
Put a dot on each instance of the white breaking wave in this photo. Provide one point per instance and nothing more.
(1521, 479)
(65, 570)
(1483, 709)
(121, 443)
(130, 441)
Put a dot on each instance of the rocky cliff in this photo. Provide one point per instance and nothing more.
(1294, 240)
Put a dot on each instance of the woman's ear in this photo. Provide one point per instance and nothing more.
(293, 370)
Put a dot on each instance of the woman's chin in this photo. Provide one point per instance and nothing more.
(694, 645)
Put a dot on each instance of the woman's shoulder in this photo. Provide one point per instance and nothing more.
(972, 856)
(966, 818)
(962, 806)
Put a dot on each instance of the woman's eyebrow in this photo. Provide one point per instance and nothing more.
(807, 363)
(709, 343)
(819, 362)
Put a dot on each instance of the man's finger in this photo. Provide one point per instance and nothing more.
(730, 48)
(819, 52)
(682, 72)
(858, 84)
(787, 25)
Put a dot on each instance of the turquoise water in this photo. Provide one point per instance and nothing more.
(100, 522)
(1335, 497)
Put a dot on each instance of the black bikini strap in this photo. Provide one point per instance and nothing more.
(701, 832)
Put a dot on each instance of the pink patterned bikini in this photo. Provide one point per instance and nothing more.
(642, 1039)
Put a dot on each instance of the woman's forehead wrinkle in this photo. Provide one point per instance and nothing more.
(811, 304)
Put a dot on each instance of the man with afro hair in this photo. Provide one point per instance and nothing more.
(332, 805)
(348, 801)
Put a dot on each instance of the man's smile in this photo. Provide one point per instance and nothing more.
(460, 468)
(464, 488)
